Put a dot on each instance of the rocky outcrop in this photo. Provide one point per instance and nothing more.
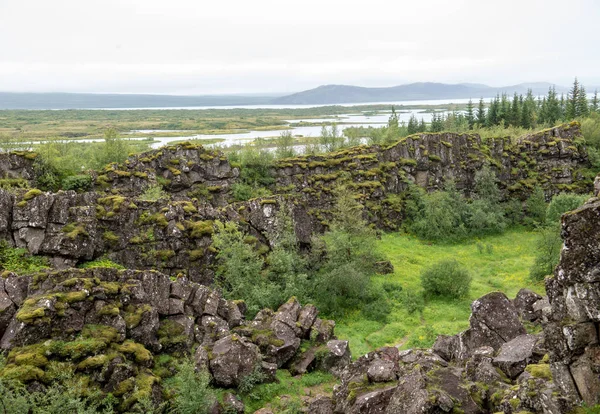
(574, 293)
(550, 158)
(185, 171)
(110, 326)
(174, 234)
(492, 367)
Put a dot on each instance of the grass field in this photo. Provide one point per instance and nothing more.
(496, 263)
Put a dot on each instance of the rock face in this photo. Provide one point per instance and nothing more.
(174, 235)
(548, 158)
(574, 294)
(110, 324)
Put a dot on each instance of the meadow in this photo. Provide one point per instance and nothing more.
(496, 263)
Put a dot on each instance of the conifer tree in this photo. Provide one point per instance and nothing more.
(582, 103)
(481, 113)
(594, 106)
(413, 125)
(514, 116)
(470, 115)
(572, 104)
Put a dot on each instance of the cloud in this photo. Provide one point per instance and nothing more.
(192, 47)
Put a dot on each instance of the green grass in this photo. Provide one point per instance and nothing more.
(506, 269)
(315, 382)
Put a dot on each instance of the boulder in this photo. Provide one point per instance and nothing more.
(515, 355)
(321, 404)
(336, 357)
(233, 358)
(232, 404)
(524, 302)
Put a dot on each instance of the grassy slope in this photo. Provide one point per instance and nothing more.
(505, 269)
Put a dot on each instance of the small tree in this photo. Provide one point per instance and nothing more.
(446, 278)
(536, 206)
(285, 145)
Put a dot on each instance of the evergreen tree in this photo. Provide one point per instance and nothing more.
(470, 115)
(437, 123)
(413, 125)
(492, 113)
(514, 116)
(594, 105)
(503, 112)
(553, 111)
(563, 107)
(582, 103)
(481, 113)
(572, 104)
(528, 107)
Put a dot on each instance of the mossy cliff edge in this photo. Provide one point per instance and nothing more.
(174, 234)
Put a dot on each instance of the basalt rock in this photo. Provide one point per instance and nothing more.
(111, 325)
(574, 295)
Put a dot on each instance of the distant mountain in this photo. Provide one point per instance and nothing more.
(338, 94)
(323, 95)
(10, 100)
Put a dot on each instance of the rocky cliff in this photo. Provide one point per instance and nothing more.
(174, 234)
(112, 328)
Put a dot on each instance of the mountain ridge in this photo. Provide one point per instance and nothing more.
(330, 94)
(334, 94)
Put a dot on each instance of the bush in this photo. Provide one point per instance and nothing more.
(536, 207)
(547, 252)
(446, 278)
(192, 394)
(79, 183)
(562, 203)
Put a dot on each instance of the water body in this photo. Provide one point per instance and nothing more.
(342, 121)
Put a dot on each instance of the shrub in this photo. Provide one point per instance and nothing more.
(192, 394)
(562, 203)
(536, 206)
(446, 278)
(153, 193)
(79, 183)
(547, 252)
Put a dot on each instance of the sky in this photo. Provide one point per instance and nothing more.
(195, 47)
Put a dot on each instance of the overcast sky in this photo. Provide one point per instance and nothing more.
(248, 46)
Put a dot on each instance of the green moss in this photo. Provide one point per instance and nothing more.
(110, 309)
(164, 255)
(200, 229)
(133, 314)
(135, 349)
(93, 362)
(540, 371)
(407, 162)
(115, 202)
(22, 373)
(110, 237)
(74, 230)
(171, 333)
(31, 194)
(196, 254)
(268, 201)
